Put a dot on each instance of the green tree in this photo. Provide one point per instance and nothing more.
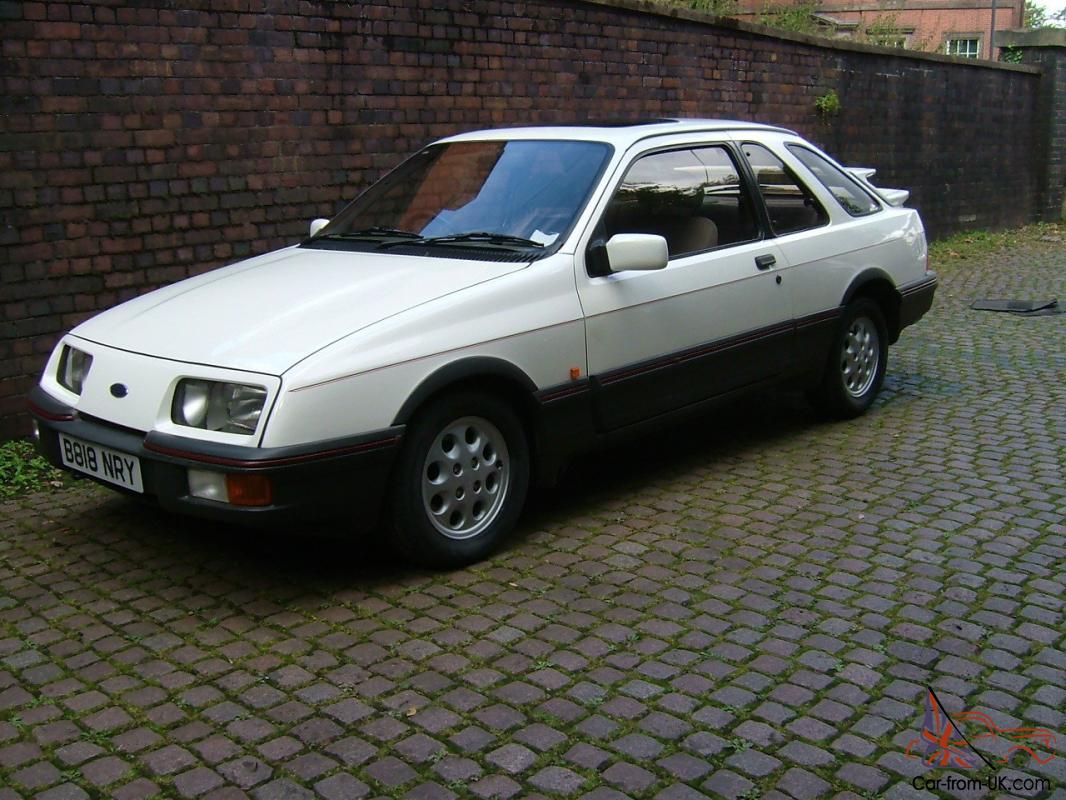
(1034, 16)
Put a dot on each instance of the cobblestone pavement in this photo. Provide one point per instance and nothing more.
(748, 609)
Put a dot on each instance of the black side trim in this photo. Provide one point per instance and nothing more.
(476, 367)
(681, 356)
(677, 415)
(632, 393)
(813, 320)
(560, 390)
(225, 455)
(814, 337)
(564, 426)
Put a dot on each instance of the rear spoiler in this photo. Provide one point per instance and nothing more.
(894, 197)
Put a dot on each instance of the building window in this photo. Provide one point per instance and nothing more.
(964, 47)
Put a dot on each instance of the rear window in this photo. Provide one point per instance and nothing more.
(851, 196)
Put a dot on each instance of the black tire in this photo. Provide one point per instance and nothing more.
(421, 533)
(847, 388)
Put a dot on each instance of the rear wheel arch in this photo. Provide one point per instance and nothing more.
(878, 286)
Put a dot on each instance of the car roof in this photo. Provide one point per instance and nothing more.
(621, 133)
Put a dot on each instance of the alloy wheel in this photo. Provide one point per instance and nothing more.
(465, 477)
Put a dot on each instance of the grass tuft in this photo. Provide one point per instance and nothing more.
(975, 244)
(24, 470)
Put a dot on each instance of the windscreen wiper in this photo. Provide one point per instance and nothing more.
(373, 232)
(482, 236)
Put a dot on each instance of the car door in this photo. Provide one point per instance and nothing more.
(830, 230)
(716, 319)
(799, 223)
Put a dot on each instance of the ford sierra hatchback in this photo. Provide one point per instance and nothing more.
(499, 302)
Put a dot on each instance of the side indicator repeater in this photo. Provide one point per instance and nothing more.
(575, 373)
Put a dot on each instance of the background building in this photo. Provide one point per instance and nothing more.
(956, 27)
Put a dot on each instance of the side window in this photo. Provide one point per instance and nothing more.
(790, 204)
(693, 198)
(855, 200)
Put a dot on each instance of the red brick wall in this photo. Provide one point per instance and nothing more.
(140, 144)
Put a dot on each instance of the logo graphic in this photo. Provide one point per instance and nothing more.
(118, 390)
(947, 745)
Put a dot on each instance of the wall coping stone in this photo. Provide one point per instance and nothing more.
(1035, 37)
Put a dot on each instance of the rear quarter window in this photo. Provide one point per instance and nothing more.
(845, 190)
(790, 204)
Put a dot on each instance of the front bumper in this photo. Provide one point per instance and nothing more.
(336, 478)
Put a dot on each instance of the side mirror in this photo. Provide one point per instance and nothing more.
(317, 225)
(637, 251)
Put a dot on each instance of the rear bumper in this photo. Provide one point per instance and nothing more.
(341, 477)
(915, 300)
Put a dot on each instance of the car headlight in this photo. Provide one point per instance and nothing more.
(217, 406)
(73, 368)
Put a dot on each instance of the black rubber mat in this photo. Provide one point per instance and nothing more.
(1027, 308)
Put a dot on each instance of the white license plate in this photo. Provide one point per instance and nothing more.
(108, 465)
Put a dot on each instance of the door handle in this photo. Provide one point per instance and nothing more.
(765, 262)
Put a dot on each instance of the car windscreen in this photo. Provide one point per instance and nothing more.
(520, 193)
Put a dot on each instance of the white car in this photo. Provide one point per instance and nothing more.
(499, 302)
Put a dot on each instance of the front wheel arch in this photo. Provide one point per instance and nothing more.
(500, 379)
(481, 372)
